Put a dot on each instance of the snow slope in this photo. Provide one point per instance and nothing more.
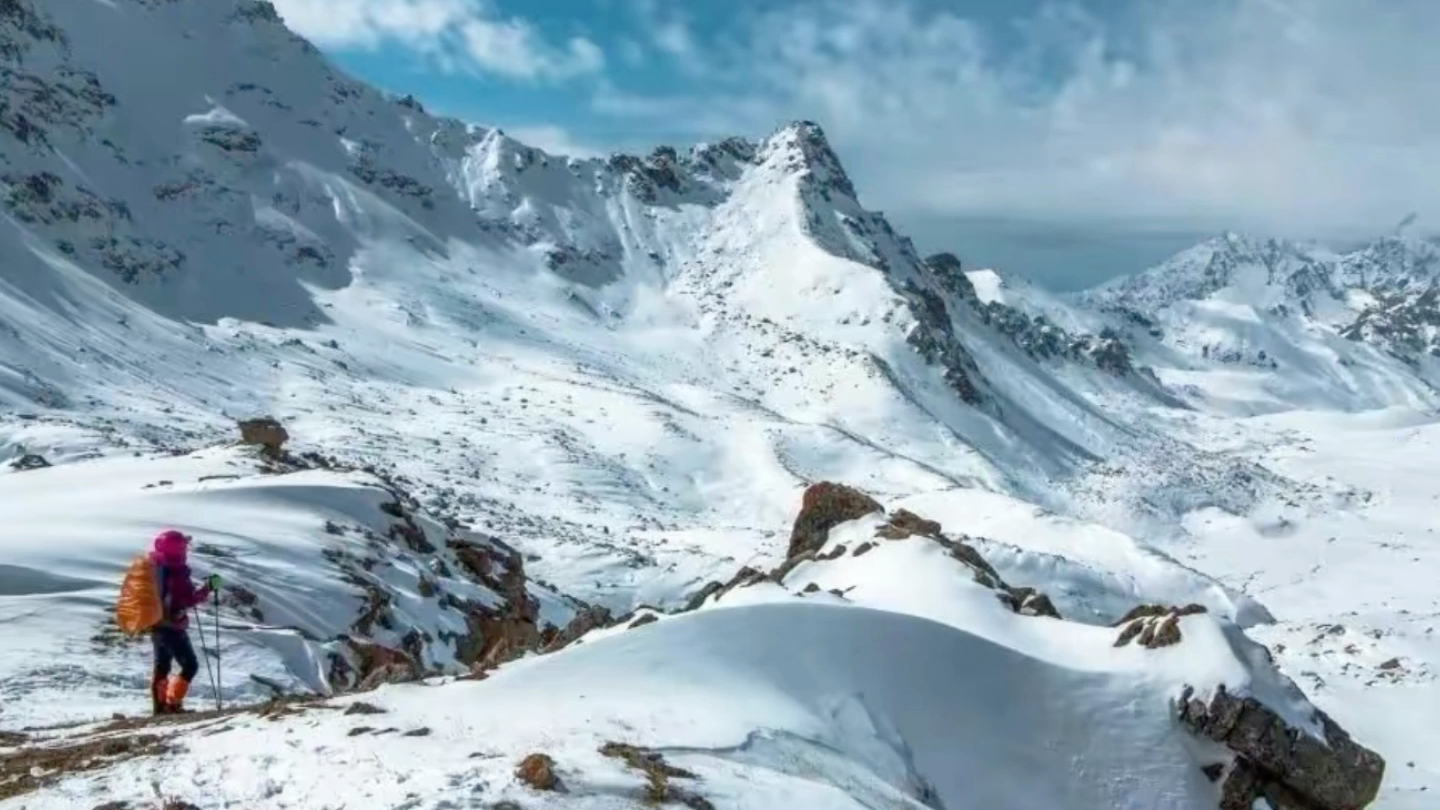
(627, 370)
(307, 553)
(864, 712)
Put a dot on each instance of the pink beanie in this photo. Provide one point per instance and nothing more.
(172, 544)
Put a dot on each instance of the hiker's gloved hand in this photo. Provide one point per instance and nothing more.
(213, 582)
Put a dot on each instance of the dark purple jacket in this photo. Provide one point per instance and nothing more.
(177, 592)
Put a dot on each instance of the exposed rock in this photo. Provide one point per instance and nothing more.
(370, 665)
(1154, 626)
(1129, 633)
(538, 771)
(648, 618)
(825, 506)
(658, 773)
(862, 548)
(361, 707)
(1167, 633)
(951, 274)
(29, 461)
(265, 432)
(1030, 602)
(904, 524)
(1285, 765)
(1393, 663)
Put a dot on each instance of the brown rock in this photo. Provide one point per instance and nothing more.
(904, 524)
(264, 432)
(658, 773)
(538, 771)
(1140, 612)
(648, 618)
(1147, 634)
(1030, 602)
(1129, 633)
(825, 506)
(377, 665)
(1294, 770)
(985, 574)
(1167, 633)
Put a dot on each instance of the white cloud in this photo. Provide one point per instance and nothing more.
(1291, 116)
(669, 31)
(552, 139)
(458, 34)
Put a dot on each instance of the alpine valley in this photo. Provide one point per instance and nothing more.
(670, 480)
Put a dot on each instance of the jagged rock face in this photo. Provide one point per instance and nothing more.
(950, 273)
(826, 506)
(933, 337)
(1288, 767)
(1407, 323)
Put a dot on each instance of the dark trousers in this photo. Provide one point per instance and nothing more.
(172, 645)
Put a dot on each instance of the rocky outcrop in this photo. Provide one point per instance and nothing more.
(825, 506)
(264, 432)
(904, 524)
(1154, 626)
(1288, 768)
(1405, 323)
(947, 269)
(1042, 340)
(659, 790)
(29, 461)
(933, 337)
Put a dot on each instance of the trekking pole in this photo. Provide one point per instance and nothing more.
(219, 700)
(209, 675)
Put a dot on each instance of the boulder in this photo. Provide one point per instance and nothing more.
(538, 771)
(264, 432)
(29, 461)
(825, 506)
(1289, 768)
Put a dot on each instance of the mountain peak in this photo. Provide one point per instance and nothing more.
(802, 146)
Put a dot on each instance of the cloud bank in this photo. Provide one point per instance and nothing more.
(1302, 117)
(460, 35)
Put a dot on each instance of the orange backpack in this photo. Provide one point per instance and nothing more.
(139, 608)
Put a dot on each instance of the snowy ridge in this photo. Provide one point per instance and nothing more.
(324, 565)
(550, 391)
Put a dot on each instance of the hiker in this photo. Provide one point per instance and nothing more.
(178, 595)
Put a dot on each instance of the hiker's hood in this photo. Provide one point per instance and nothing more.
(171, 547)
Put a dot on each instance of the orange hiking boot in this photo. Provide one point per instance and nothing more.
(175, 695)
(157, 694)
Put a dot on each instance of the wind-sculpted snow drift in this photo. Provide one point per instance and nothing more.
(919, 680)
(526, 400)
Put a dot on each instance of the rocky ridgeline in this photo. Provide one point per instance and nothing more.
(1268, 762)
(1033, 334)
(476, 581)
(1406, 323)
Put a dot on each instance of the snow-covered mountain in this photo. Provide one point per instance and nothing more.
(536, 404)
(1296, 325)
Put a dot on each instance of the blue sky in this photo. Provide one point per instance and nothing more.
(1066, 140)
